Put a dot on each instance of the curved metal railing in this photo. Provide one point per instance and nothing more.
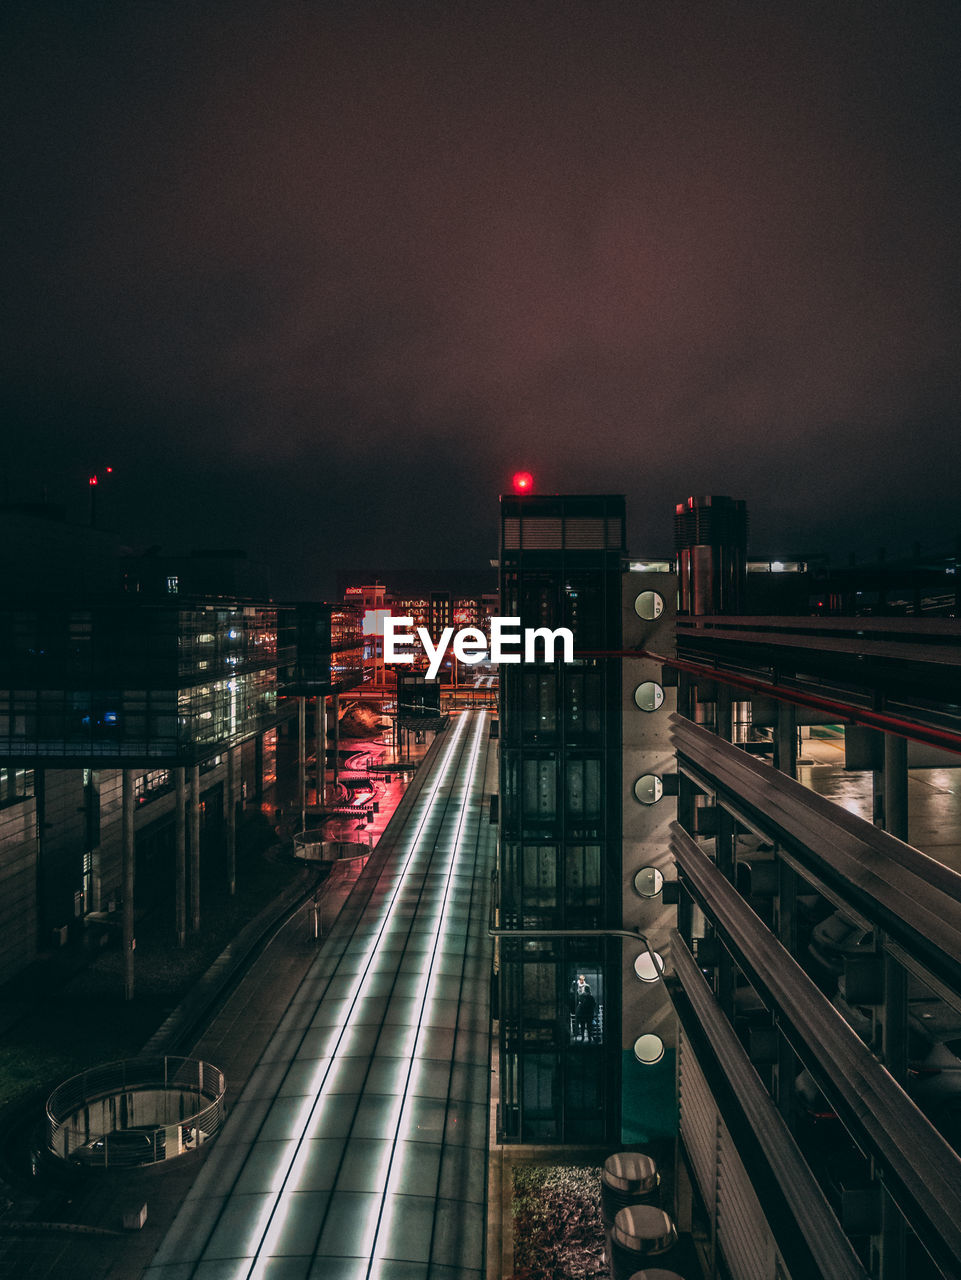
(135, 1112)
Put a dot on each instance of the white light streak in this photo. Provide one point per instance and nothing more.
(291, 1164)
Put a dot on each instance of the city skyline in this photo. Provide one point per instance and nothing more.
(316, 281)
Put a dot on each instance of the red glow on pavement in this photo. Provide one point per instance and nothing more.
(523, 482)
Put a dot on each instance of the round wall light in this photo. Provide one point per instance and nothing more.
(649, 788)
(649, 605)
(648, 882)
(648, 966)
(648, 1049)
(649, 696)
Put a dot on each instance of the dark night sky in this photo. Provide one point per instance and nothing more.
(316, 277)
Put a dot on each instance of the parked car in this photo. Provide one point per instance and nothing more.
(122, 1148)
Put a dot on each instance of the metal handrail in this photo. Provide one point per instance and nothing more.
(165, 1075)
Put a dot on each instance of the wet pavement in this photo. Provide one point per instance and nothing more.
(934, 796)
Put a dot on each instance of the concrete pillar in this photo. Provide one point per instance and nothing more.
(180, 888)
(891, 1015)
(320, 743)
(195, 848)
(724, 843)
(336, 709)
(895, 785)
(302, 760)
(724, 857)
(686, 803)
(785, 740)
(259, 767)
(724, 712)
(231, 816)
(787, 1065)
(128, 861)
(685, 695)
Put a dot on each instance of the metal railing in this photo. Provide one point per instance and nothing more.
(135, 1112)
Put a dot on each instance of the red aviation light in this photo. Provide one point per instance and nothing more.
(523, 482)
(92, 480)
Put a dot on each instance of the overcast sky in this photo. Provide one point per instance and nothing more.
(315, 278)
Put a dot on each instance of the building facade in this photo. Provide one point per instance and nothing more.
(561, 824)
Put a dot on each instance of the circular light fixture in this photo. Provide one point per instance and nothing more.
(523, 482)
(649, 788)
(649, 605)
(648, 966)
(648, 696)
(648, 882)
(648, 1049)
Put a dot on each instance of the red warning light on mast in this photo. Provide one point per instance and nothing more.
(523, 482)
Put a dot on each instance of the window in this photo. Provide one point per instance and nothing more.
(582, 877)
(583, 789)
(540, 789)
(540, 876)
(583, 702)
(539, 702)
(15, 785)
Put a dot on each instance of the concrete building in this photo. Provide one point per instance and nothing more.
(139, 717)
(780, 974)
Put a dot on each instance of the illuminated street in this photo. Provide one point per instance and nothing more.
(361, 1135)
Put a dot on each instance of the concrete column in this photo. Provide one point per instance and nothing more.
(259, 766)
(128, 859)
(787, 1066)
(336, 710)
(686, 802)
(895, 785)
(302, 760)
(785, 741)
(320, 743)
(724, 843)
(195, 848)
(724, 856)
(180, 888)
(685, 695)
(231, 816)
(891, 1015)
(724, 712)
(888, 1261)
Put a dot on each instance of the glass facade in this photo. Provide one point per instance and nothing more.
(136, 681)
(323, 647)
(15, 785)
(560, 824)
